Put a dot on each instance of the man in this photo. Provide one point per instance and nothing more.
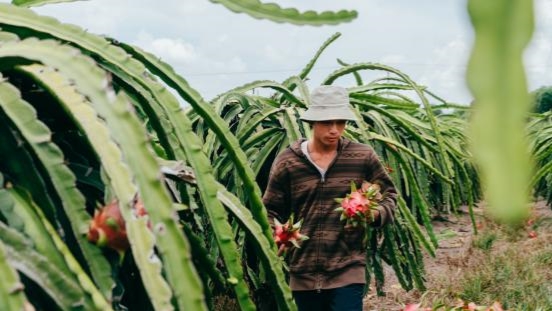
(328, 271)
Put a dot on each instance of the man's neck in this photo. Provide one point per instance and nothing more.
(315, 147)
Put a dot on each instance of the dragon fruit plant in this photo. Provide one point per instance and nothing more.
(357, 205)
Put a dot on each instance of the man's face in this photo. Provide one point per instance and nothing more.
(328, 132)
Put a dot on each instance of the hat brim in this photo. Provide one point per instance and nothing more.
(313, 114)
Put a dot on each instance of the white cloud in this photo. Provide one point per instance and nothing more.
(190, 7)
(233, 65)
(277, 54)
(538, 56)
(98, 19)
(543, 13)
(446, 69)
(223, 38)
(174, 51)
(538, 62)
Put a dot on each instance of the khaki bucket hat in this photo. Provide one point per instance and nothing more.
(329, 102)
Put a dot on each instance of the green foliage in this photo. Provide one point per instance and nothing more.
(392, 122)
(540, 129)
(542, 99)
(87, 120)
(485, 241)
(11, 290)
(115, 147)
(30, 3)
(274, 12)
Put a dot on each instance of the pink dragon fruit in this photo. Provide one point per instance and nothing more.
(107, 228)
(288, 235)
(357, 206)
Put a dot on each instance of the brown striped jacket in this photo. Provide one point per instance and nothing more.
(296, 186)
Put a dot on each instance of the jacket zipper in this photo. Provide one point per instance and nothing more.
(318, 274)
(318, 285)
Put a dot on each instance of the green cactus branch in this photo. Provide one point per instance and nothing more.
(274, 12)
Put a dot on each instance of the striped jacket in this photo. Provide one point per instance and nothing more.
(332, 257)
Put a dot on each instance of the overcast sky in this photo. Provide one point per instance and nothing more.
(216, 50)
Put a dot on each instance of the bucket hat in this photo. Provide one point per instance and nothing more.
(329, 102)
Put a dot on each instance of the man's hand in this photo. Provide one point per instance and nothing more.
(374, 217)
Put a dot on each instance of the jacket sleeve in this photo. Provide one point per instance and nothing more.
(376, 173)
(276, 196)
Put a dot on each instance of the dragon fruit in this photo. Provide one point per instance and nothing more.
(107, 228)
(357, 205)
(288, 235)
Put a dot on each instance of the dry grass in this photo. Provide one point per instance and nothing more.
(515, 272)
(225, 303)
(496, 265)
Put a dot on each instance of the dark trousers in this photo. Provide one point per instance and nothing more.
(346, 298)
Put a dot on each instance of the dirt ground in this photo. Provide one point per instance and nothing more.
(452, 257)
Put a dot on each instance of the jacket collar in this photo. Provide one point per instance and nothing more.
(296, 146)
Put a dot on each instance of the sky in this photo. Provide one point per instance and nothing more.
(216, 50)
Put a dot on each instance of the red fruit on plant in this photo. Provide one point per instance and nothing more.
(107, 228)
(532, 234)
